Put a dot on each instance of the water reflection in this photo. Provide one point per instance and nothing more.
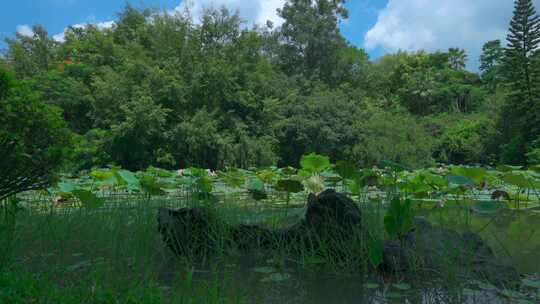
(512, 234)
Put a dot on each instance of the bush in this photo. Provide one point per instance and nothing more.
(34, 141)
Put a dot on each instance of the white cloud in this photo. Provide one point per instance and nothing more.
(251, 11)
(25, 30)
(60, 37)
(430, 25)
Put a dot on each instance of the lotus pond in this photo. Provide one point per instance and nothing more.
(93, 238)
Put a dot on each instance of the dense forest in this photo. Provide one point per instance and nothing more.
(164, 90)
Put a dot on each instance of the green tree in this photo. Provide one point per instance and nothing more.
(398, 136)
(311, 37)
(34, 140)
(457, 58)
(137, 137)
(31, 55)
(491, 60)
(521, 114)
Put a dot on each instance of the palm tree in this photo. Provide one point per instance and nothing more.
(457, 58)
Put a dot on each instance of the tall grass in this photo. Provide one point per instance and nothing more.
(116, 255)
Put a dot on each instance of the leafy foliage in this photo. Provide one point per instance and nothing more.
(34, 141)
(399, 217)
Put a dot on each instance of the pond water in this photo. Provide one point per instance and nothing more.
(513, 235)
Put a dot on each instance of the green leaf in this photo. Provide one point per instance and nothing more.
(315, 163)
(507, 168)
(394, 166)
(129, 177)
(276, 278)
(204, 184)
(256, 184)
(264, 269)
(518, 180)
(371, 285)
(459, 180)
(398, 218)
(391, 225)
(475, 174)
(233, 178)
(531, 283)
(353, 187)
(345, 169)
(150, 185)
(66, 186)
(266, 176)
(88, 199)
(487, 207)
(375, 252)
(402, 286)
(290, 185)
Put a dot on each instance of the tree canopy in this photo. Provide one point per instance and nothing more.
(158, 89)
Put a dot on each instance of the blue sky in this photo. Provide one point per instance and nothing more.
(380, 26)
(55, 15)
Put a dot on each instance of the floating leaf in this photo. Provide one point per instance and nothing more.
(371, 285)
(486, 286)
(66, 186)
(487, 207)
(470, 292)
(476, 174)
(512, 294)
(531, 283)
(129, 177)
(507, 168)
(264, 269)
(256, 184)
(402, 286)
(266, 176)
(394, 166)
(150, 185)
(459, 180)
(233, 178)
(276, 278)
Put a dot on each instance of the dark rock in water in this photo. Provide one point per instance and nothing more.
(498, 194)
(330, 217)
(430, 247)
(332, 209)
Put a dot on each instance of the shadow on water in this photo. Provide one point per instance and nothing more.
(270, 285)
